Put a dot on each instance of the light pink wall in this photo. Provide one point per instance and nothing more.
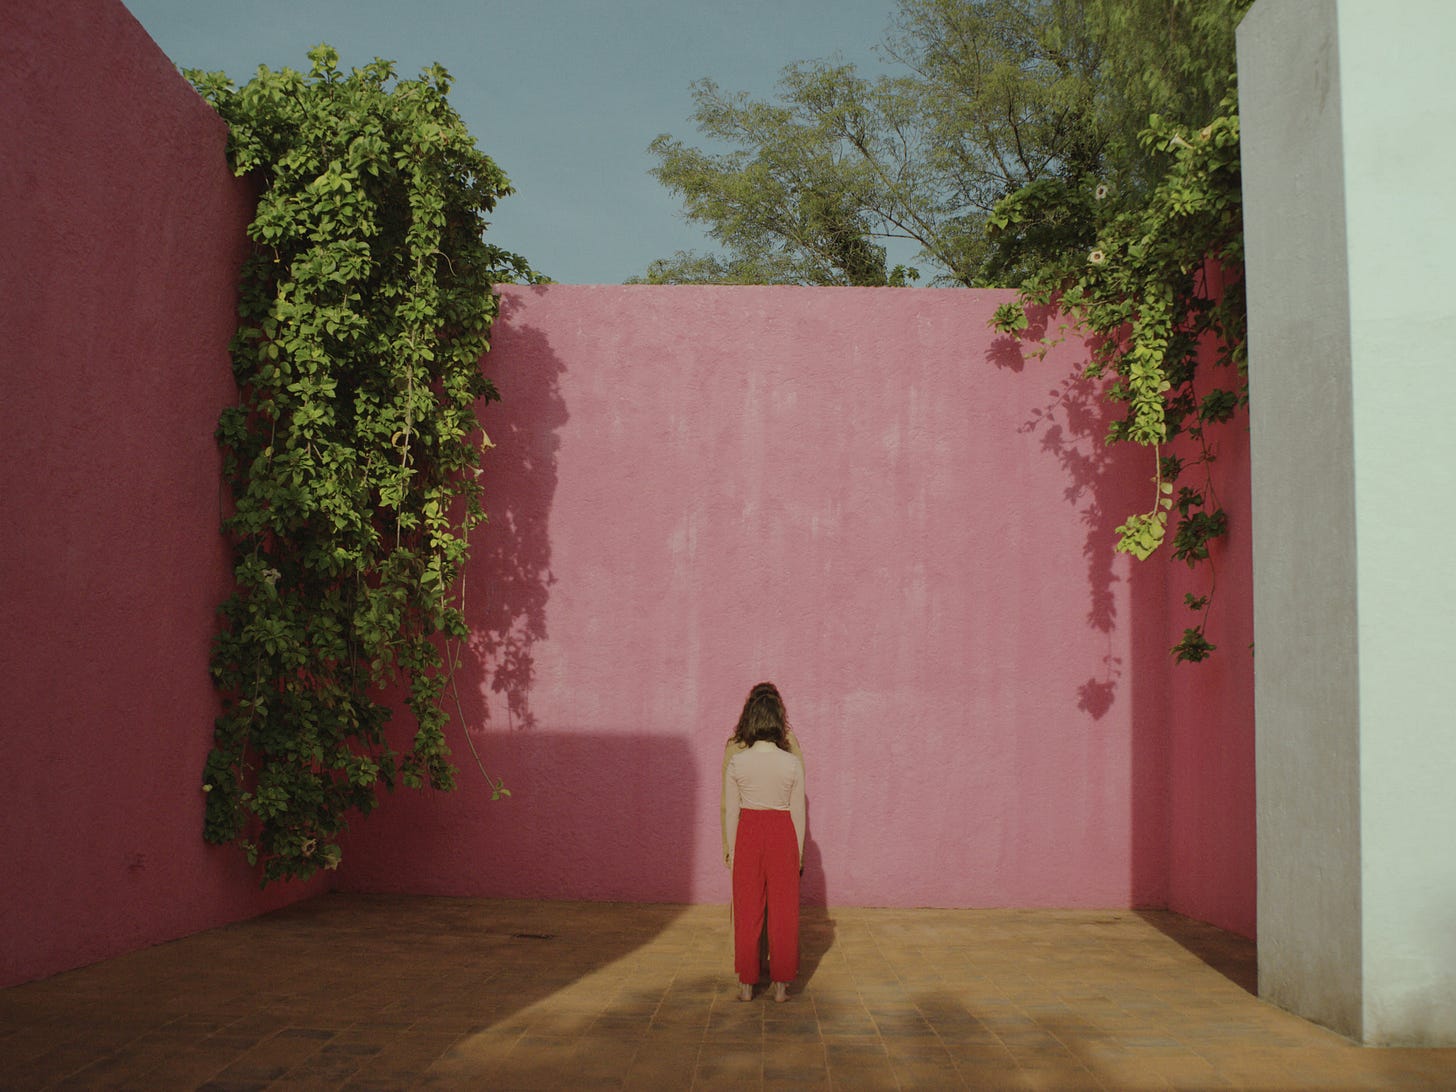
(862, 494)
(120, 230)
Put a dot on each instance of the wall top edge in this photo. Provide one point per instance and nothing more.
(968, 293)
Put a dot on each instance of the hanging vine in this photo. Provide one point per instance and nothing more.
(1166, 324)
(353, 452)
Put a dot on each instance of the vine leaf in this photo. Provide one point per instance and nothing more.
(354, 449)
(1143, 287)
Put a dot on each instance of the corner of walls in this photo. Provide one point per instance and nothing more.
(883, 441)
(1212, 844)
(859, 493)
(122, 229)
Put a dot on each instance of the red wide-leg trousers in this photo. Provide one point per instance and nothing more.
(766, 878)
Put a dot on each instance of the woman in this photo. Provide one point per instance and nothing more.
(736, 744)
(763, 838)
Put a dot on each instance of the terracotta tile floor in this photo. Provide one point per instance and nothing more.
(404, 992)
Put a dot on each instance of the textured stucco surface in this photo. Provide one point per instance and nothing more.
(862, 494)
(1350, 233)
(1398, 88)
(121, 231)
(1306, 682)
(866, 496)
(1212, 865)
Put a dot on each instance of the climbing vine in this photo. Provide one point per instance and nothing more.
(353, 451)
(1159, 294)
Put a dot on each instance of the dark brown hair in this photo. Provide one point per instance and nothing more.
(763, 717)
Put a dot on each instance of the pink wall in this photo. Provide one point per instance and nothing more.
(120, 229)
(1212, 866)
(864, 495)
(860, 493)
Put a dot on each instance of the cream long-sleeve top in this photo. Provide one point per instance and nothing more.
(763, 777)
(732, 748)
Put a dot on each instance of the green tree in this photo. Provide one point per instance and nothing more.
(1148, 259)
(1044, 98)
(1085, 151)
(1173, 58)
(1160, 62)
(995, 95)
(352, 453)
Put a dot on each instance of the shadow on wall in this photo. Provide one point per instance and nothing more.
(816, 936)
(610, 817)
(1073, 425)
(1102, 485)
(816, 925)
(814, 883)
(509, 575)
(593, 815)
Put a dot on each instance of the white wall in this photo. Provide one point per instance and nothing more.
(1398, 66)
(1348, 166)
(1305, 690)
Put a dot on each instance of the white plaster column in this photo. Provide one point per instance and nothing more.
(1349, 165)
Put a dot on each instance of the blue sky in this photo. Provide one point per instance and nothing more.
(564, 95)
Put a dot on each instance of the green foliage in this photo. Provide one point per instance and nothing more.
(1173, 58)
(353, 451)
(1194, 647)
(1084, 150)
(790, 213)
(1010, 318)
(1148, 260)
(995, 95)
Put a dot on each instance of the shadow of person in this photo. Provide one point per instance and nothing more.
(813, 887)
(816, 926)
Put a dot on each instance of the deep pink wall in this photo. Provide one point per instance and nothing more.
(862, 494)
(120, 230)
(1212, 865)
